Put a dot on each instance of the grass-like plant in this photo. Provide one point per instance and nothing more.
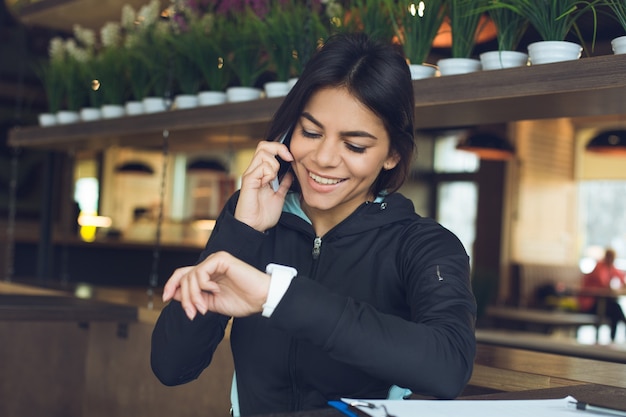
(552, 19)
(243, 46)
(416, 24)
(464, 18)
(618, 7)
(50, 73)
(510, 26)
(370, 17)
(206, 50)
(110, 66)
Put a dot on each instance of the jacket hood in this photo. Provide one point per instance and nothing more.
(370, 215)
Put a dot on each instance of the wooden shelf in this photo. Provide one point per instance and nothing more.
(64, 14)
(587, 87)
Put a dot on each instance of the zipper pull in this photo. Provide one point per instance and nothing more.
(317, 247)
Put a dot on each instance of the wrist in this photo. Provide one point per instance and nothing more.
(280, 279)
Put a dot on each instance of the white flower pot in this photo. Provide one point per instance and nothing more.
(111, 111)
(186, 101)
(153, 104)
(276, 89)
(47, 119)
(237, 94)
(454, 66)
(133, 108)
(291, 82)
(619, 45)
(503, 59)
(90, 113)
(547, 52)
(421, 71)
(67, 116)
(211, 98)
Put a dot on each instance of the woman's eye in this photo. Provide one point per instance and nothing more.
(355, 148)
(308, 134)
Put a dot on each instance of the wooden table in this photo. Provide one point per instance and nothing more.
(606, 396)
(522, 374)
(53, 307)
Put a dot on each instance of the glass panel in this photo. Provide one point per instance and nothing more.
(449, 159)
(456, 210)
(602, 214)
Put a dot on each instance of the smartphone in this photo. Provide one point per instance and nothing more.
(284, 165)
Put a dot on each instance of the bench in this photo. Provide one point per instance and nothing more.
(550, 344)
(542, 321)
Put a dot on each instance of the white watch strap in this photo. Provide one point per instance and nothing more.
(281, 278)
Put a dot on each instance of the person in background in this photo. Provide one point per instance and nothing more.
(336, 286)
(604, 276)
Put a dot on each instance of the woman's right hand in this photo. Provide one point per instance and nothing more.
(259, 206)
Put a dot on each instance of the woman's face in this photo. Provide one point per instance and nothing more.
(339, 148)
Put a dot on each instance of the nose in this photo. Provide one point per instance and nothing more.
(327, 152)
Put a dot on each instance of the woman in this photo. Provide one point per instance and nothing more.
(381, 297)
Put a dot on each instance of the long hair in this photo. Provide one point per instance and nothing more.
(377, 75)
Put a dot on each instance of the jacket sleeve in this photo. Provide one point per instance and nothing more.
(431, 353)
(181, 348)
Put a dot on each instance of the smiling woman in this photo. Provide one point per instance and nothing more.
(360, 294)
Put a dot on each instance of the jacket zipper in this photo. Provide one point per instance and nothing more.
(317, 247)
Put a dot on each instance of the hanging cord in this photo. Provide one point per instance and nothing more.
(156, 253)
(169, 104)
(10, 249)
(67, 222)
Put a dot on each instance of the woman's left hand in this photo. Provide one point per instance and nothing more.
(222, 284)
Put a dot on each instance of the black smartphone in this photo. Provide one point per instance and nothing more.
(284, 165)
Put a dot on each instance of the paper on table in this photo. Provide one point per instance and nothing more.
(472, 408)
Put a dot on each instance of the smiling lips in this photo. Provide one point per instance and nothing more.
(323, 180)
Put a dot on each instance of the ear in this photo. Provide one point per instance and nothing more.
(391, 161)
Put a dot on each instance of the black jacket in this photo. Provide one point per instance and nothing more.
(385, 300)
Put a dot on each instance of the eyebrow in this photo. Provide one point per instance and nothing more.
(350, 133)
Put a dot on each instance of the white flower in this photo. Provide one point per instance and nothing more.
(76, 52)
(128, 17)
(149, 13)
(86, 37)
(56, 49)
(110, 34)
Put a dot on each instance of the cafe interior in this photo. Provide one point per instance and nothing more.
(97, 214)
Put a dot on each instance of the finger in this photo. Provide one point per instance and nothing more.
(195, 292)
(173, 282)
(285, 184)
(185, 301)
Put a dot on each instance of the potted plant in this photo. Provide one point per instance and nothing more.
(416, 25)
(245, 54)
(206, 51)
(464, 18)
(553, 20)
(185, 70)
(308, 29)
(146, 55)
(290, 35)
(511, 27)
(618, 8)
(75, 87)
(50, 73)
(111, 67)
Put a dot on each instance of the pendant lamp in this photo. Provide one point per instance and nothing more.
(205, 165)
(609, 142)
(487, 146)
(134, 168)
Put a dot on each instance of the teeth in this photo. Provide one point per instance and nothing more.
(322, 180)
